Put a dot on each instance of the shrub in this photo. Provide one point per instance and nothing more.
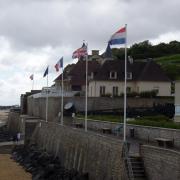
(106, 95)
(77, 94)
(152, 93)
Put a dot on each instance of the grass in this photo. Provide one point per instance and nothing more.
(171, 65)
(169, 59)
(109, 118)
(154, 121)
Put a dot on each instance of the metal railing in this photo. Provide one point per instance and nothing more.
(127, 161)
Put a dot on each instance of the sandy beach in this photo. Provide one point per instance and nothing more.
(10, 170)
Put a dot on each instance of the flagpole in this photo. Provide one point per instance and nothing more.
(47, 101)
(125, 83)
(33, 82)
(86, 89)
(62, 93)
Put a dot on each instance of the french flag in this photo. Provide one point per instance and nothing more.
(59, 64)
(119, 37)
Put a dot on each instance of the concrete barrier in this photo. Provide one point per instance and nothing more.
(160, 163)
(99, 156)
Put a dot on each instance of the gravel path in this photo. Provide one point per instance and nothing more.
(10, 170)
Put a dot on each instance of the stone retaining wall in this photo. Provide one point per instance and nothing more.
(14, 124)
(161, 164)
(145, 133)
(98, 155)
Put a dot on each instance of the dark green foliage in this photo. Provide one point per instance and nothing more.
(152, 93)
(166, 55)
(145, 49)
(77, 94)
(143, 94)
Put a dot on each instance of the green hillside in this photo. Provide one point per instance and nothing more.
(171, 65)
(165, 54)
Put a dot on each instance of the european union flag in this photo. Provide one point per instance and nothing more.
(46, 72)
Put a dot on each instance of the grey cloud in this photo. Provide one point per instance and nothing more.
(56, 23)
(38, 32)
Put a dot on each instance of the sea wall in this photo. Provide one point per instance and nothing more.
(87, 152)
(21, 123)
(14, 124)
(37, 106)
(161, 164)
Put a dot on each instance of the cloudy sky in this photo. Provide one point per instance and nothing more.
(36, 33)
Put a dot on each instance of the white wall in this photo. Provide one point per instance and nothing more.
(94, 87)
(164, 87)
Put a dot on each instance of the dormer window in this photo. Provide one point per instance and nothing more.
(91, 75)
(129, 75)
(113, 75)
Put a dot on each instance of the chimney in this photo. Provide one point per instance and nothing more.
(95, 52)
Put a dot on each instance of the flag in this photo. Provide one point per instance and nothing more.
(46, 72)
(59, 64)
(81, 52)
(119, 37)
(31, 76)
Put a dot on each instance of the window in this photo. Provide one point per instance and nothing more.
(115, 91)
(102, 90)
(129, 75)
(113, 75)
(177, 110)
(92, 75)
(128, 89)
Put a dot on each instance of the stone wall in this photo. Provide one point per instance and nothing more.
(161, 164)
(37, 106)
(145, 133)
(14, 124)
(98, 155)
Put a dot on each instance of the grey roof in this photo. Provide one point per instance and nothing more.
(141, 71)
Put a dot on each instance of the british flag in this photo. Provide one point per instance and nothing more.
(81, 52)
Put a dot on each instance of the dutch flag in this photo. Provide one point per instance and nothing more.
(119, 37)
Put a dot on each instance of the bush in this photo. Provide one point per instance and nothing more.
(106, 95)
(77, 94)
(152, 93)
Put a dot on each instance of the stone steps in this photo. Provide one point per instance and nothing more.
(137, 167)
